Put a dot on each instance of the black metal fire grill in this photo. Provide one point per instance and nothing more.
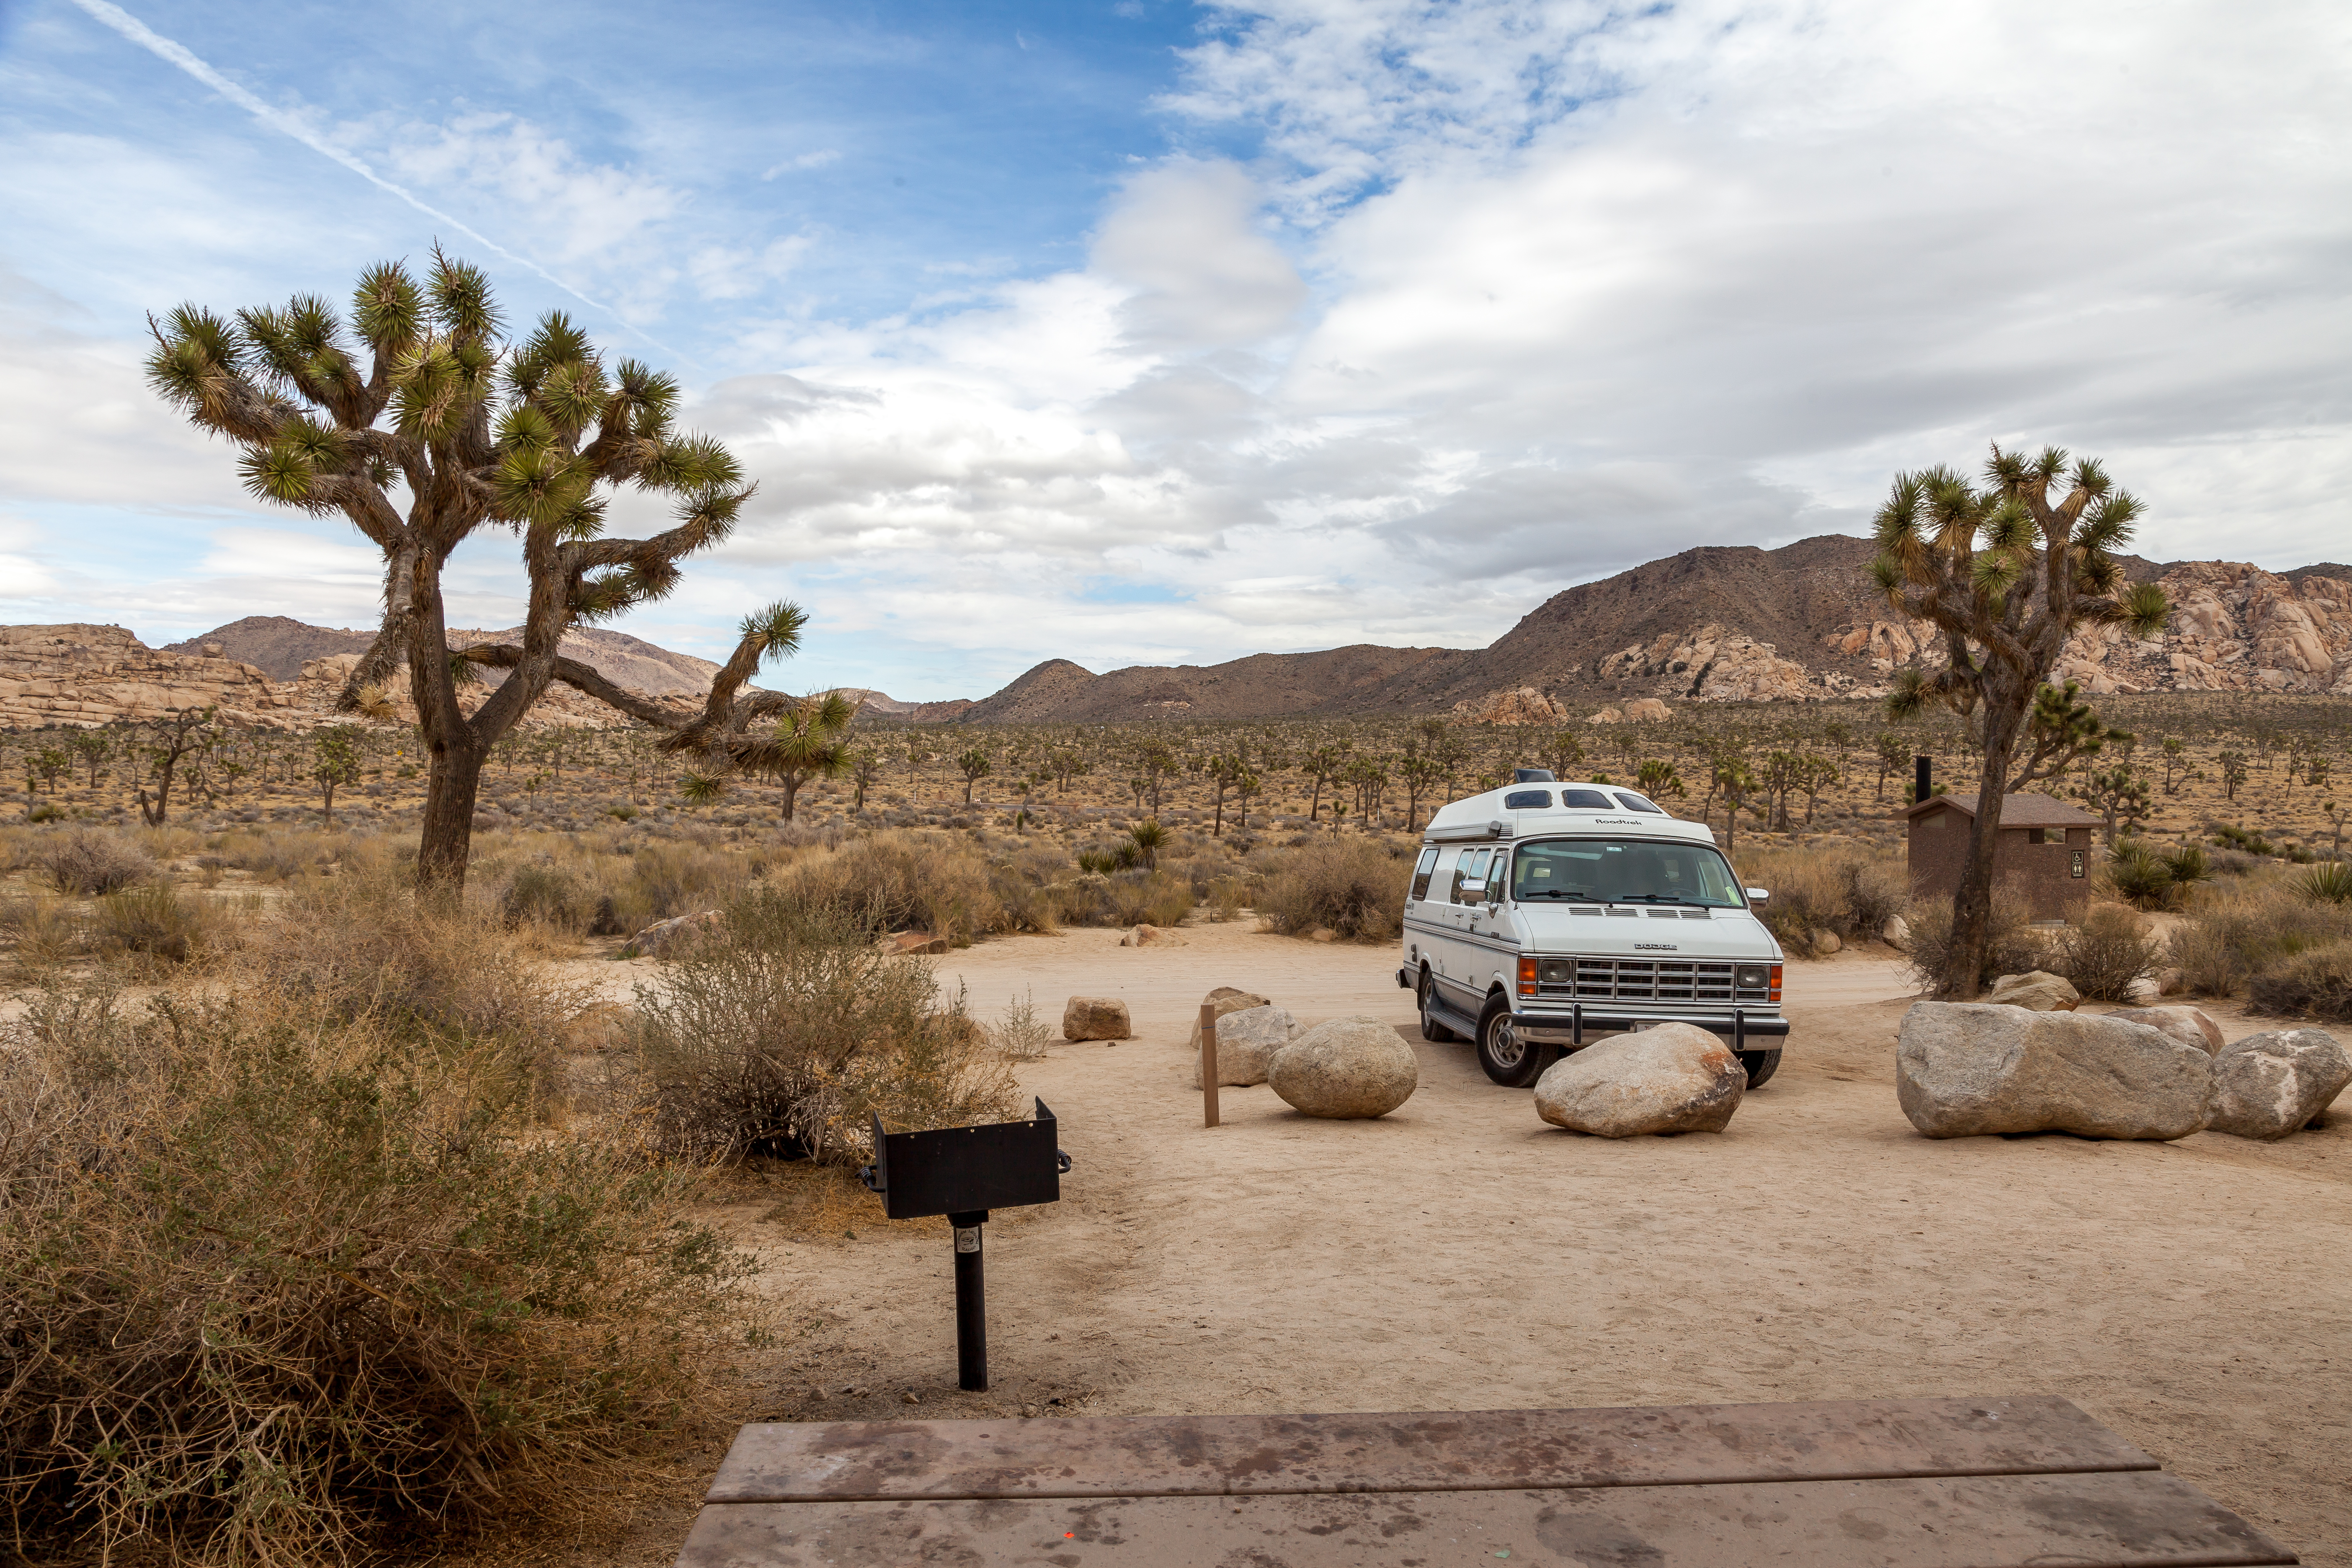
(963, 1172)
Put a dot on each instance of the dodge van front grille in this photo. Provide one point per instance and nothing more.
(1645, 980)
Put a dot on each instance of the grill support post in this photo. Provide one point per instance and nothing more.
(972, 1303)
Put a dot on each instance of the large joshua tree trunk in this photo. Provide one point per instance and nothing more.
(1972, 904)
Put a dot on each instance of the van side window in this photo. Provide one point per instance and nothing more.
(1470, 868)
(1587, 800)
(1421, 870)
(1528, 800)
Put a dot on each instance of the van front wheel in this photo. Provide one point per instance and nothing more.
(1503, 1055)
(1431, 1029)
(1760, 1066)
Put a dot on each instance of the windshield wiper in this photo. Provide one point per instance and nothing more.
(1656, 899)
(1556, 893)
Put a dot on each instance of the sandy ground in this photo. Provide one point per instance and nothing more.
(1460, 1254)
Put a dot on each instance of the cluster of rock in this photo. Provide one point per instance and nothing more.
(1640, 711)
(2234, 627)
(84, 675)
(1972, 1068)
(1524, 706)
(1723, 666)
(87, 674)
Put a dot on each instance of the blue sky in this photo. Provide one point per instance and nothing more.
(1150, 332)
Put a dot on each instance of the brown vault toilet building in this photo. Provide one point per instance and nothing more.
(2043, 856)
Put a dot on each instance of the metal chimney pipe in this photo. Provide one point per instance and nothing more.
(1923, 778)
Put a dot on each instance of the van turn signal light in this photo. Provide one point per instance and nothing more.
(1775, 993)
(1527, 976)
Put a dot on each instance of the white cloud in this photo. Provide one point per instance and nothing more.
(1520, 293)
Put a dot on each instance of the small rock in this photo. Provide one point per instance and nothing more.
(1226, 1000)
(667, 939)
(1323, 933)
(1647, 711)
(1895, 934)
(1246, 1042)
(1346, 1068)
(2268, 1085)
(2189, 1026)
(2038, 990)
(1825, 943)
(1672, 1078)
(1607, 716)
(1965, 1068)
(1096, 1018)
(1150, 936)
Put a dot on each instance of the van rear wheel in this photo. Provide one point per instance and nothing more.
(1760, 1066)
(1503, 1055)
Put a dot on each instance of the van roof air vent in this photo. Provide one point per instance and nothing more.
(1532, 775)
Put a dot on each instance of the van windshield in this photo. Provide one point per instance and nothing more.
(1625, 871)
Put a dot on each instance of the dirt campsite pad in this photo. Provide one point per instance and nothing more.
(1459, 1253)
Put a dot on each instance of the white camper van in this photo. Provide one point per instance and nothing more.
(1544, 914)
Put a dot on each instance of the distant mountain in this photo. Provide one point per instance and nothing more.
(1713, 624)
(278, 645)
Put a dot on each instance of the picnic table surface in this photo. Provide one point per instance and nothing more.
(1890, 1483)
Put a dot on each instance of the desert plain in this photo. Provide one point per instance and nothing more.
(1459, 1253)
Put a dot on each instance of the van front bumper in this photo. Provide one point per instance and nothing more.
(1573, 1027)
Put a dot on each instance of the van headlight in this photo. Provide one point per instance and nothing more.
(1753, 976)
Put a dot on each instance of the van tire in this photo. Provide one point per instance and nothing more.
(1431, 1029)
(1513, 1063)
(1760, 1066)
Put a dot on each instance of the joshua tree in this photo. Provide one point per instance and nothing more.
(91, 746)
(51, 760)
(1658, 777)
(975, 766)
(421, 396)
(335, 751)
(2233, 774)
(1890, 750)
(810, 740)
(865, 769)
(2006, 573)
(1735, 782)
(175, 737)
(2120, 797)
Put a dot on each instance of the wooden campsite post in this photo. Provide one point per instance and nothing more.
(1208, 1064)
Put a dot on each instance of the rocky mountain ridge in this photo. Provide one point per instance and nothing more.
(1712, 624)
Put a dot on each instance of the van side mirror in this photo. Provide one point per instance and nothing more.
(1758, 895)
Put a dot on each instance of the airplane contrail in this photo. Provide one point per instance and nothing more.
(138, 31)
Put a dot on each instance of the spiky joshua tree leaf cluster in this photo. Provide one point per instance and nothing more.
(416, 419)
(2006, 570)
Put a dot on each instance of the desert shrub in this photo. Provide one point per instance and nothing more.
(546, 894)
(903, 881)
(359, 946)
(669, 879)
(281, 1287)
(2105, 952)
(280, 855)
(2015, 947)
(2330, 883)
(1355, 887)
(1853, 893)
(92, 863)
(1021, 1035)
(2313, 983)
(41, 931)
(2236, 934)
(155, 922)
(2139, 876)
(786, 1028)
(1229, 896)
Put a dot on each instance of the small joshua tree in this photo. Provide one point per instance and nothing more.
(2006, 571)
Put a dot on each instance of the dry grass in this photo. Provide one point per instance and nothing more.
(2241, 929)
(784, 1030)
(1849, 892)
(2015, 947)
(1355, 887)
(288, 1273)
